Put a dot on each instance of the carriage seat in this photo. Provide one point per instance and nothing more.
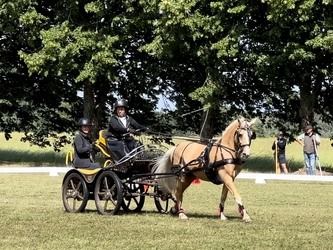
(117, 148)
(103, 134)
(111, 147)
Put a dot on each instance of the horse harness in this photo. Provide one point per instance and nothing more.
(209, 166)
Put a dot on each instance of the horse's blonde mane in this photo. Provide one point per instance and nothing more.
(231, 125)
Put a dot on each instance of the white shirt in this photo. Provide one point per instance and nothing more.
(123, 121)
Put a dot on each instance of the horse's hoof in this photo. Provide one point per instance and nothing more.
(247, 220)
(223, 217)
(183, 216)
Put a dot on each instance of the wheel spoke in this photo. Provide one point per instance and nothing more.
(69, 194)
(113, 202)
(79, 197)
(71, 183)
(135, 199)
(128, 203)
(106, 205)
(101, 194)
(105, 182)
(79, 184)
(74, 204)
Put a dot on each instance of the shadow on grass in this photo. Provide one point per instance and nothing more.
(189, 214)
(35, 158)
(32, 158)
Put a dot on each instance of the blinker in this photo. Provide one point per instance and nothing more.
(253, 136)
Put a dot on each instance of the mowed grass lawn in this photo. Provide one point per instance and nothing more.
(286, 215)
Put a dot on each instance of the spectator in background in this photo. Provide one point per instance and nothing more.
(280, 145)
(309, 140)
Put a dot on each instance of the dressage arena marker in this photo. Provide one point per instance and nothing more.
(260, 181)
(53, 173)
(258, 177)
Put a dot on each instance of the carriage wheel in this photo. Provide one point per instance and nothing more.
(161, 202)
(75, 194)
(133, 200)
(108, 193)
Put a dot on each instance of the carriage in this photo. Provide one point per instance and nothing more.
(125, 183)
(122, 182)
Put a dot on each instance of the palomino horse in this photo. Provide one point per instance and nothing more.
(218, 162)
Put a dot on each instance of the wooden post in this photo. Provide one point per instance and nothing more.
(277, 165)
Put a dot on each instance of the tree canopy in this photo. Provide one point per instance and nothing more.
(62, 60)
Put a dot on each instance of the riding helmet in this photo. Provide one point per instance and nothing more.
(84, 122)
(121, 103)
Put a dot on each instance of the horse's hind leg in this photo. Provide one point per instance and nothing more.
(223, 199)
(181, 187)
(229, 182)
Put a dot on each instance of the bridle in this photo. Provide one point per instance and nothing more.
(238, 134)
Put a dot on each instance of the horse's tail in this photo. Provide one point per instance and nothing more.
(162, 166)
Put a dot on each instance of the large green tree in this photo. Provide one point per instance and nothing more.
(92, 46)
(230, 58)
(288, 52)
(36, 104)
(268, 58)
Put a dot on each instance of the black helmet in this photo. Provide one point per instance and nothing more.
(84, 122)
(121, 103)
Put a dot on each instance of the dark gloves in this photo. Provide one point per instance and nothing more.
(148, 130)
(94, 147)
(133, 131)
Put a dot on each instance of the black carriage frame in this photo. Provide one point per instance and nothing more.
(123, 184)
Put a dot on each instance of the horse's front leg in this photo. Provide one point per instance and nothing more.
(222, 202)
(229, 183)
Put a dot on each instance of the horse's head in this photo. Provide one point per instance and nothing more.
(244, 134)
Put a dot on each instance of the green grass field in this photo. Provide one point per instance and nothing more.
(15, 152)
(286, 215)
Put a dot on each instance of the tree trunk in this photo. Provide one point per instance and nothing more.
(206, 132)
(89, 107)
(307, 100)
(95, 99)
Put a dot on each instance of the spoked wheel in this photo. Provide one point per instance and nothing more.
(161, 200)
(133, 201)
(108, 193)
(75, 193)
